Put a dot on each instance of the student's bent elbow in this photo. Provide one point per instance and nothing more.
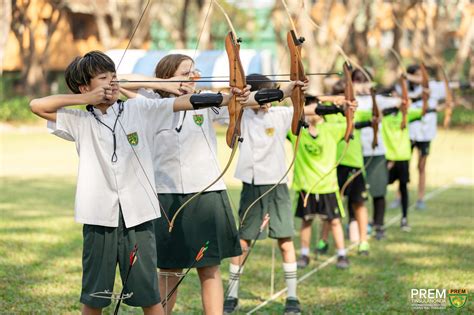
(34, 106)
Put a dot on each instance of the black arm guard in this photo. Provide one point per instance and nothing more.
(328, 110)
(390, 110)
(268, 95)
(206, 100)
(429, 110)
(362, 124)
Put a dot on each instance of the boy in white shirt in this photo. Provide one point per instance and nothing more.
(115, 196)
(261, 165)
(423, 131)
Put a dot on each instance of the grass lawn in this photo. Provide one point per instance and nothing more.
(40, 245)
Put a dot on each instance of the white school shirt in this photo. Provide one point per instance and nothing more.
(425, 129)
(186, 162)
(262, 153)
(367, 134)
(102, 184)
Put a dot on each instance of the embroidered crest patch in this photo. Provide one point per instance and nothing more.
(270, 131)
(315, 150)
(132, 138)
(198, 119)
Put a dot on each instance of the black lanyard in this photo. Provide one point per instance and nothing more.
(90, 109)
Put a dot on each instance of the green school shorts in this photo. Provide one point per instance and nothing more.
(104, 247)
(377, 176)
(277, 204)
(207, 218)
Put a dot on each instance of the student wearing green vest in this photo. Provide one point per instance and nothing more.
(315, 161)
(351, 161)
(398, 153)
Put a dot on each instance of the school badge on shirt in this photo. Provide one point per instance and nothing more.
(132, 138)
(315, 150)
(270, 131)
(198, 119)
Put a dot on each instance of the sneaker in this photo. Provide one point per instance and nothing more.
(420, 205)
(364, 248)
(369, 229)
(322, 247)
(342, 262)
(230, 305)
(292, 306)
(379, 233)
(302, 262)
(395, 204)
(404, 225)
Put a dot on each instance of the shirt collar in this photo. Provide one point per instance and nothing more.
(109, 110)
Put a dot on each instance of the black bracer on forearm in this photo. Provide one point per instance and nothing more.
(429, 110)
(266, 96)
(322, 110)
(206, 100)
(390, 111)
(362, 124)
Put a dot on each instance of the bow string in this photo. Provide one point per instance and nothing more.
(297, 98)
(236, 80)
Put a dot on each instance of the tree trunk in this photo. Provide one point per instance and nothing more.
(104, 31)
(465, 49)
(309, 45)
(282, 55)
(182, 24)
(5, 24)
(205, 11)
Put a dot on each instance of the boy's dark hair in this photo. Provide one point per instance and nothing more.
(359, 77)
(259, 81)
(339, 87)
(411, 69)
(310, 99)
(82, 69)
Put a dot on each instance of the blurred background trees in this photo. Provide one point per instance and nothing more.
(40, 37)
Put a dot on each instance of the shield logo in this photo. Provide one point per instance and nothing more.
(270, 131)
(315, 150)
(459, 298)
(132, 138)
(198, 119)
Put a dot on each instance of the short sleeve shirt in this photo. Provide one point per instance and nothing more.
(367, 134)
(397, 141)
(185, 157)
(425, 129)
(103, 184)
(262, 151)
(316, 158)
(353, 154)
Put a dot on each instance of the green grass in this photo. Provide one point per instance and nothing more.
(40, 245)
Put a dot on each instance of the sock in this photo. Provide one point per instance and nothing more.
(290, 278)
(379, 211)
(341, 252)
(234, 279)
(404, 193)
(304, 251)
